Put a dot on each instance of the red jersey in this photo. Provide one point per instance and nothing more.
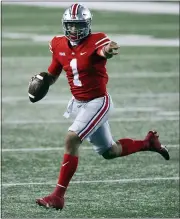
(85, 69)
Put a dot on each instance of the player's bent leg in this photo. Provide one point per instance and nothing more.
(101, 139)
(67, 170)
(150, 143)
(113, 152)
(105, 146)
(127, 146)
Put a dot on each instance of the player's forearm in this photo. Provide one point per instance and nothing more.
(51, 78)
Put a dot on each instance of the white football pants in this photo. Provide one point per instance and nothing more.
(91, 121)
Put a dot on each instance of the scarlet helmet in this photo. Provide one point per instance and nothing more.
(80, 17)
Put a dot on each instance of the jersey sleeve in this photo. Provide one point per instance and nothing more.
(101, 41)
(55, 67)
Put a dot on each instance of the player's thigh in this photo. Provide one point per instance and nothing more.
(91, 116)
(102, 138)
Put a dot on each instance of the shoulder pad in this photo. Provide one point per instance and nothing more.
(54, 41)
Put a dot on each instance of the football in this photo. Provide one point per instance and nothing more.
(38, 87)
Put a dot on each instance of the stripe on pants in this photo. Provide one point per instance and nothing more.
(96, 119)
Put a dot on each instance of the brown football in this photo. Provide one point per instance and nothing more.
(38, 87)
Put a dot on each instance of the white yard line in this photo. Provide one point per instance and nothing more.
(53, 102)
(137, 109)
(149, 56)
(144, 75)
(122, 56)
(44, 149)
(138, 119)
(147, 95)
(39, 149)
(131, 75)
(168, 113)
(143, 40)
(132, 180)
(157, 111)
(136, 7)
(95, 27)
(121, 39)
(64, 98)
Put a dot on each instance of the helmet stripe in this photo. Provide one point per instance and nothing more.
(77, 8)
(74, 9)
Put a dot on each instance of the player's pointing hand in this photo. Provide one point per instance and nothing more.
(112, 48)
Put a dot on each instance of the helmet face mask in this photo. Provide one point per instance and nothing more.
(75, 31)
(76, 22)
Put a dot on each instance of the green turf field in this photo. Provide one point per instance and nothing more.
(144, 86)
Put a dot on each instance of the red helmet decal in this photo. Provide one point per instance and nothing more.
(74, 9)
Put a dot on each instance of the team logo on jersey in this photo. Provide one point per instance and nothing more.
(62, 53)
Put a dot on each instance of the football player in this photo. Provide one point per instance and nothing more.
(83, 56)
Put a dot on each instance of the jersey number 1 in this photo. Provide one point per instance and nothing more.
(76, 80)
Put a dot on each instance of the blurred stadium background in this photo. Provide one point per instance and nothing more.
(144, 84)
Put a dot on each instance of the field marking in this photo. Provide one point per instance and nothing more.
(58, 148)
(132, 180)
(122, 56)
(138, 119)
(168, 113)
(147, 95)
(39, 149)
(144, 75)
(149, 56)
(158, 110)
(96, 27)
(130, 75)
(116, 75)
(135, 7)
(121, 39)
(125, 95)
(136, 109)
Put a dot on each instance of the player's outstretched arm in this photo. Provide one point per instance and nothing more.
(109, 50)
